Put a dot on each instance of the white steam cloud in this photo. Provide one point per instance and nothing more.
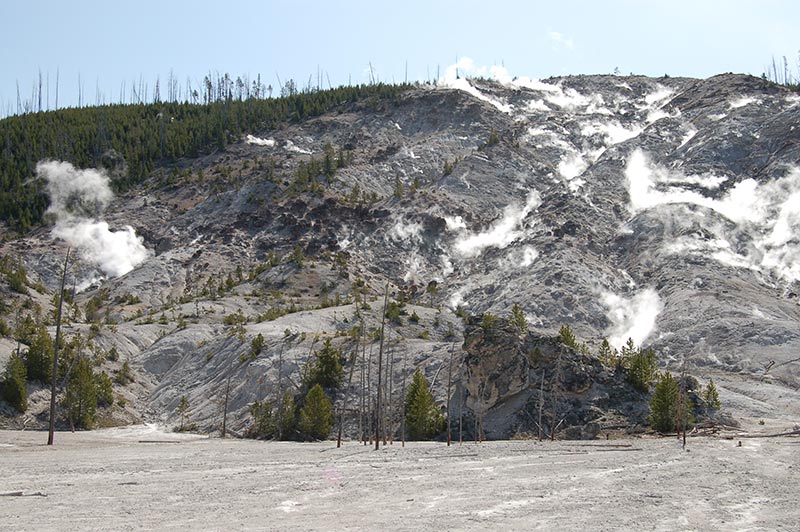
(454, 77)
(250, 139)
(633, 317)
(501, 233)
(77, 198)
(768, 213)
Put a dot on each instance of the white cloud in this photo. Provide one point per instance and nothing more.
(72, 191)
(501, 233)
(454, 223)
(77, 198)
(741, 102)
(560, 40)
(767, 214)
(410, 233)
(529, 256)
(571, 166)
(114, 252)
(633, 317)
(250, 139)
(613, 131)
(292, 147)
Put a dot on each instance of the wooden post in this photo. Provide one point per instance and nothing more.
(380, 368)
(54, 376)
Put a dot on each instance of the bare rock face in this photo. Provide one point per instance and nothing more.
(497, 367)
(509, 376)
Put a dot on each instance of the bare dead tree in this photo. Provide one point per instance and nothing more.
(343, 406)
(541, 404)
(449, 383)
(403, 419)
(225, 407)
(369, 399)
(380, 362)
(279, 401)
(390, 383)
(54, 375)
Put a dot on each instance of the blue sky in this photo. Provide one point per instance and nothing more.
(109, 44)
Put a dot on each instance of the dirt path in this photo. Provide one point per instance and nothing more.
(113, 480)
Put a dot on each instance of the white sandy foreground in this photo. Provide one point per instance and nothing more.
(143, 479)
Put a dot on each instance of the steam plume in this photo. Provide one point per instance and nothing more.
(77, 199)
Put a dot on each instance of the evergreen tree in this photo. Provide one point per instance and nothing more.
(263, 421)
(423, 418)
(567, 337)
(607, 355)
(125, 375)
(326, 368)
(316, 416)
(39, 358)
(643, 369)
(269, 422)
(711, 396)
(81, 395)
(664, 405)
(14, 389)
(105, 391)
(518, 320)
(627, 353)
(285, 418)
(183, 411)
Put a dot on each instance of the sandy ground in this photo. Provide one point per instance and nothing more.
(138, 478)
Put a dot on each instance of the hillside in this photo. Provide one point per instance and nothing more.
(663, 210)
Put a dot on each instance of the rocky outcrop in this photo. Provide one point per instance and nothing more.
(508, 376)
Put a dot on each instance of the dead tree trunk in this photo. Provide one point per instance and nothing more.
(279, 401)
(54, 375)
(346, 391)
(541, 404)
(380, 368)
(449, 383)
(403, 420)
(225, 407)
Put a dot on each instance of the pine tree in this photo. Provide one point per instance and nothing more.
(263, 420)
(567, 337)
(711, 396)
(423, 418)
(285, 417)
(643, 369)
(627, 353)
(39, 358)
(316, 416)
(81, 395)
(607, 355)
(105, 391)
(326, 368)
(664, 405)
(14, 389)
(518, 320)
(183, 411)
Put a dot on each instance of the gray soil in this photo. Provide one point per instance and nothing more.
(138, 478)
